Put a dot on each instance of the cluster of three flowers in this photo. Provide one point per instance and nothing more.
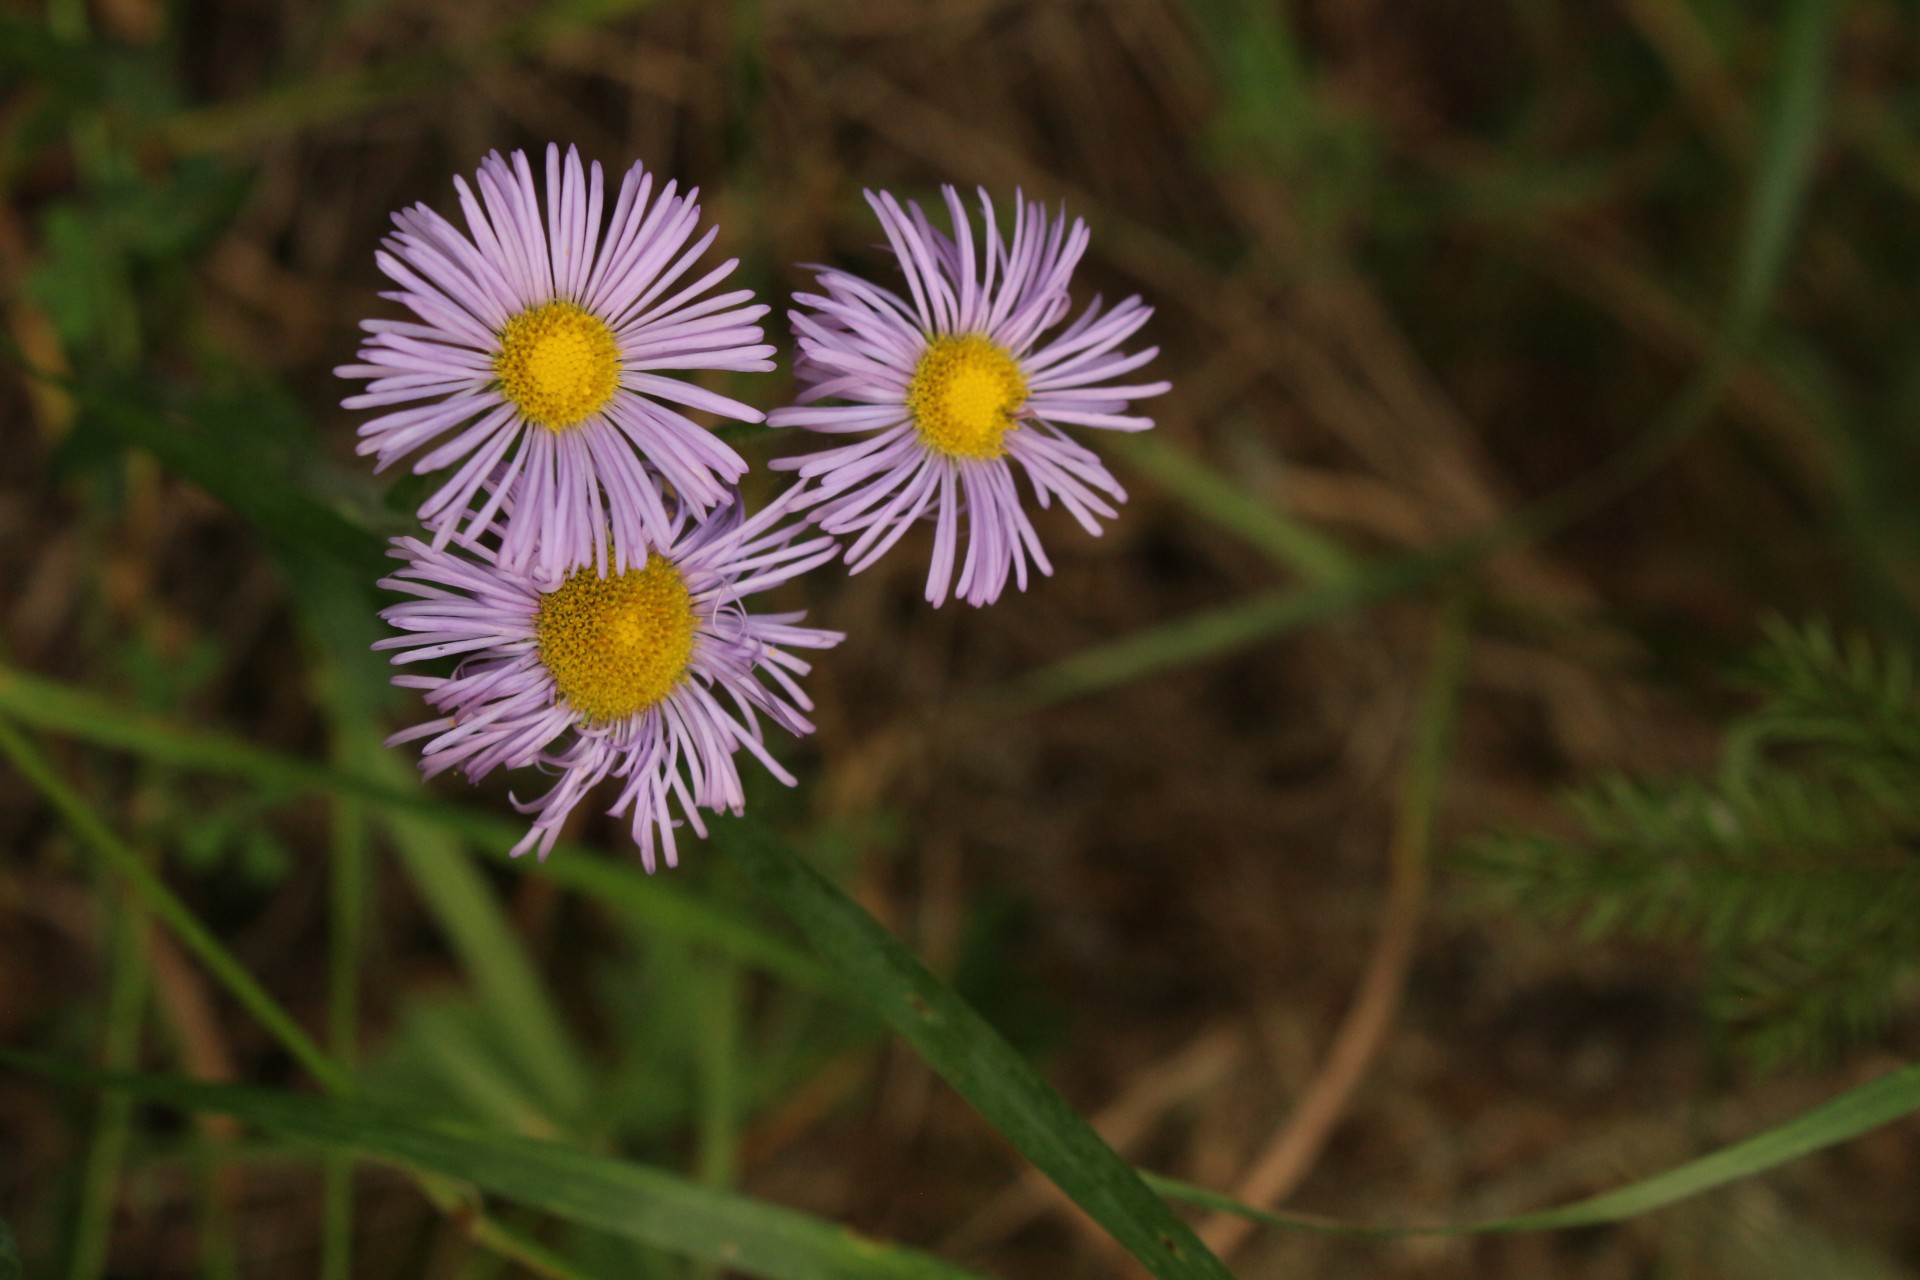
(588, 559)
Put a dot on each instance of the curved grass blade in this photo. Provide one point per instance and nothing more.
(339, 615)
(971, 1055)
(656, 1208)
(1857, 1111)
(517, 1246)
(283, 513)
(1795, 127)
(80, 713)
(100, 1177)
(324, 98)
(166, 907)
(1312, 554)
(1227, 628)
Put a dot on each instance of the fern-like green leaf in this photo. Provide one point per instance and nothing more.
(1797, 865)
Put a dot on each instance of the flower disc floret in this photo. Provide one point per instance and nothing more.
(559, 363)
(616, 646)
(965, 395)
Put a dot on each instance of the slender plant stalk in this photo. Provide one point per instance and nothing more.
(1795, 127)
(1290, 1155)
(120, 1046)
(316, 100)
(719, 1084)
(172, 912)
(80, 713)
(1892, 1097)
(348, 873)
(1315, 556)
(145, 887)
(516, 1246)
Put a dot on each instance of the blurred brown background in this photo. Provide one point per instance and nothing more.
(1415, 264)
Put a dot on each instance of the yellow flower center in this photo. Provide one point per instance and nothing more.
(616, 645)
(964, 394)
(559, 363)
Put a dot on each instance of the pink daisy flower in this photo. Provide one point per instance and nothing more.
(656, 675)
(535, 367)
(952, 387)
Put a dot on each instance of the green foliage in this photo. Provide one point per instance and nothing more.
(114, 260)
(650, 1206)
(1794, 868)
(229, 836)
(1275, 117)
(956, 1041)
(548, 1086)
(1891, 1097)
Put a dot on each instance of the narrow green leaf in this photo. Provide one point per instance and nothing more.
(517, 1246)
(1307, 551)
(120, 1035)
(1796, 123)
(515, 997)
(630, 1200)
(302, 104)
(658, 903)
(331, 624)
(346, 932)
(9, 1253)
(1794, 129)
(1857, 1111)
(717, 1052)
(339, 612)
(1226, 629)
(168, 908)
(282, 513)
(1853, 1113)
(1769, 219)
(971, 1055)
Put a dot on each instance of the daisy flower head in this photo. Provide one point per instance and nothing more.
(656, 675)
(535, 365)
(952, 386)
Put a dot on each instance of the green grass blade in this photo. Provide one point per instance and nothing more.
(974, 1059)
(1214, 632)
(1772, 214)
(517, 1246)
(172, 912)
(717, 1054)
(338, 612)
(120, 1035)
(347, 865)
(9, 1253)
(1861, 1110)
(1307, 551)
(1848, 1116)
(317, 100)
(1797, 121)
(657, 903)
(630, 1200)
(284, 514)
(510, 987)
